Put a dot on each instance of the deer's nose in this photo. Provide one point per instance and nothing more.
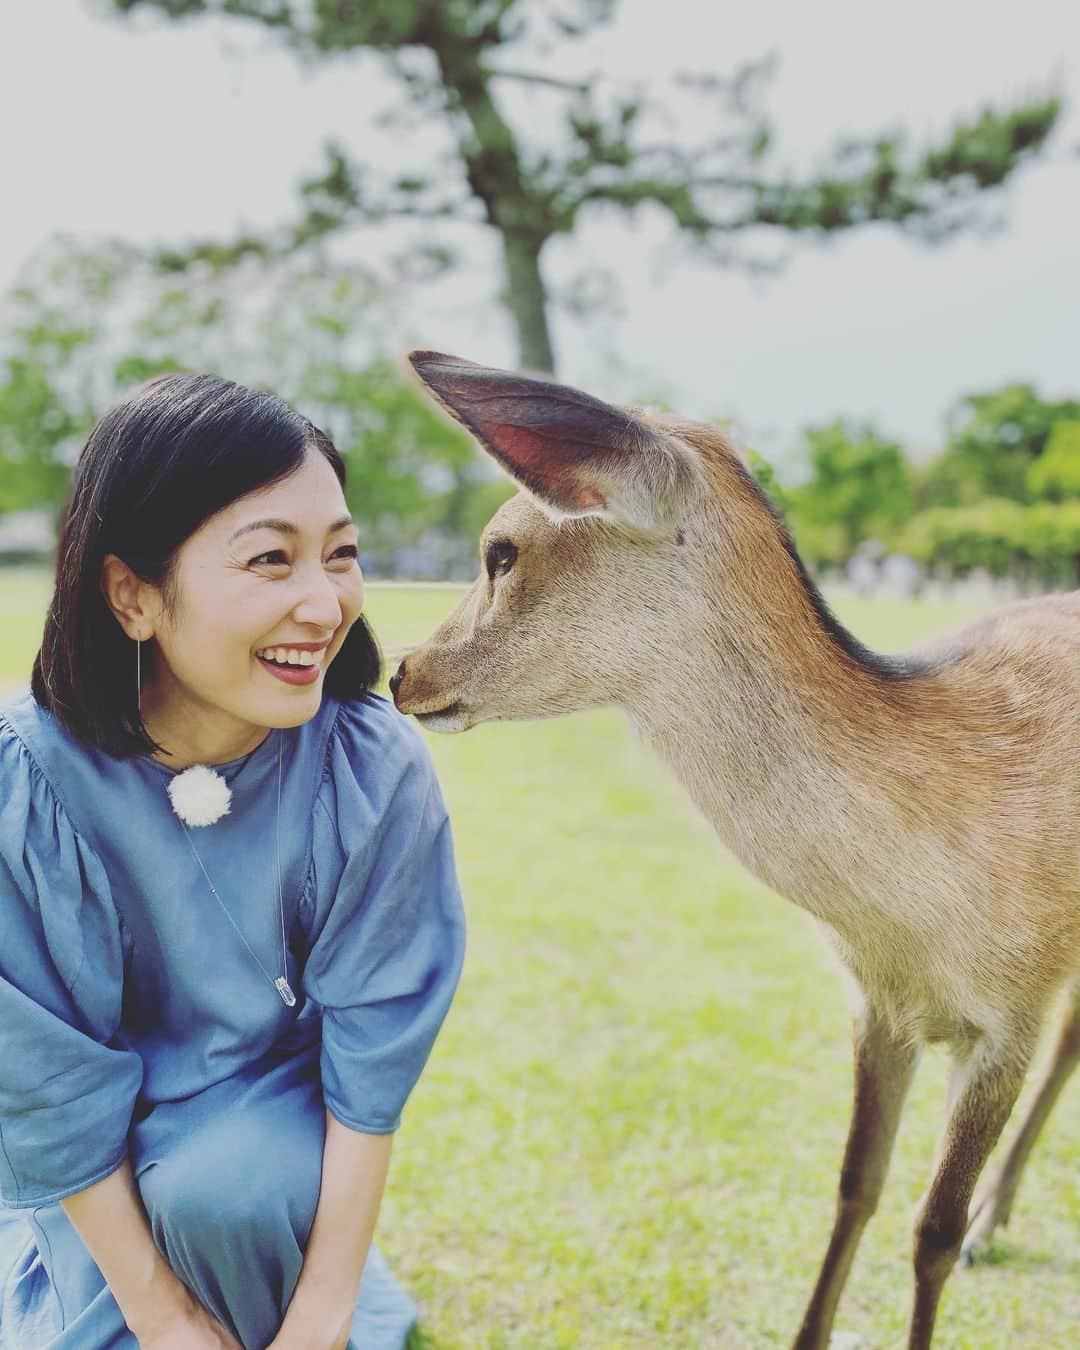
(396, 678)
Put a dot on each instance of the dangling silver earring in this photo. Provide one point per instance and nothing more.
(138, 673)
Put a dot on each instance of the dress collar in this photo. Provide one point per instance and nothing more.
(227, 770)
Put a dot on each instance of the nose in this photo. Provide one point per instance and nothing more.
(321, 605)
(396, 678)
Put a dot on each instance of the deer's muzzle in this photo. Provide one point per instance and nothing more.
(427, 705)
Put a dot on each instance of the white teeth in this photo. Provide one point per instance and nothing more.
(289, 656)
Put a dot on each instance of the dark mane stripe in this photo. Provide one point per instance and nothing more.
(891, 668)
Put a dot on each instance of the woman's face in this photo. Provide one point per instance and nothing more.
(268, 577)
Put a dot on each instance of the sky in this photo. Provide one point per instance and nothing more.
(158, 132)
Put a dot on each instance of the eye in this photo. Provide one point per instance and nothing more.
(277, 558)
(499, 558)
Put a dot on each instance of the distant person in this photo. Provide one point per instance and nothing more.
(902, 576)
(231, 926)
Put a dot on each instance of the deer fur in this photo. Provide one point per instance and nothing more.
(925, 810)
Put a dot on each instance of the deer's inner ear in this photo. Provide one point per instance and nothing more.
(499, 556)
(577, 455)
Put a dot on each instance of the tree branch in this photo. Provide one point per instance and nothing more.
(697, 146)
(933, 193)
(532, 77)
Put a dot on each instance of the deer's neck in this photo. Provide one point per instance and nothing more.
(783, 734)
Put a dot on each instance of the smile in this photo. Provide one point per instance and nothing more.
(292, 656)
(296, 667)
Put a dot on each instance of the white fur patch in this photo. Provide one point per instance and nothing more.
(199, 796)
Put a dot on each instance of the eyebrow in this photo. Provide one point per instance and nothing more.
(286, 526)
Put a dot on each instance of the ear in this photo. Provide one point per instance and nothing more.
(577, 455)
(126, 596)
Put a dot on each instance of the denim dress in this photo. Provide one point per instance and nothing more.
(135, 1024)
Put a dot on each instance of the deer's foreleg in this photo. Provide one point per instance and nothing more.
(986, 1088)
(994, 1203)
(884, 1066)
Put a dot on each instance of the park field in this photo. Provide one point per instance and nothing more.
(630, 1131)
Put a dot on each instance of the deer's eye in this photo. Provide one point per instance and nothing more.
(499, 558)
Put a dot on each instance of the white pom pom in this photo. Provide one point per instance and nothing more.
(199, 796)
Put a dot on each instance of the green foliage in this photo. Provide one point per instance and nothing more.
(51, 333)
(860, 487)
(630, 1131)
(984, 149)
(1003, 494)
(410, 470)
(1002, 536)
(85, 323)
(716, 178)
(37, 433)
(1055, 475)
(45, 408)
(764, 475)
(994, 440)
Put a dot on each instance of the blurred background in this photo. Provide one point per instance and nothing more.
(847, 231)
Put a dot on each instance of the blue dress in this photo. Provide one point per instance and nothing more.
(134, 1023)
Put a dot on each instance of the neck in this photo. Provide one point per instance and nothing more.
(782, 729)
(195, 733)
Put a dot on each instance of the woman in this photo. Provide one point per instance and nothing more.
(218, 984)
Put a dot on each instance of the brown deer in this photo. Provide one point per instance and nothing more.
(926, 810)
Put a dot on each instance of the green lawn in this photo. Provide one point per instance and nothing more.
(630, 1131)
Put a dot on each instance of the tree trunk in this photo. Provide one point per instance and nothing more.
(526, 299)
(494, 171)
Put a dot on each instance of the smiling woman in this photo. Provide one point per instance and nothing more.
(202, 516)
(193, 1160)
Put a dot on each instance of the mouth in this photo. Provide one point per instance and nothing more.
(454, 717)
(297, 664)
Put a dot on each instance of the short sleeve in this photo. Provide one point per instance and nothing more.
(66, 1093)
(388, 931)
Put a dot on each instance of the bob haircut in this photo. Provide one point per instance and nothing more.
(168, 456)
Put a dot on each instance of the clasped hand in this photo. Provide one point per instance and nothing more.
(197, 1329)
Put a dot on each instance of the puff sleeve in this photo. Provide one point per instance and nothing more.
(388, 930)
(66, 1091)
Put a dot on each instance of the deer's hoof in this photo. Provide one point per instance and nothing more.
(986, 1217)
(970, 1253)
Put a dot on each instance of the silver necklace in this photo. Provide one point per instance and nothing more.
(281, 982)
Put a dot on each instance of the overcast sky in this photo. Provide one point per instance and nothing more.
(155, 131)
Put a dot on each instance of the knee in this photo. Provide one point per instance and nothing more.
(1069, 1046)
(938, 1238)
(213, 1185)
(859, 1191)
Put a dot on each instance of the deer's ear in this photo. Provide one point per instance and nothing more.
(577, 455)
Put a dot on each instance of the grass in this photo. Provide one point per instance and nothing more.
(630, 1131)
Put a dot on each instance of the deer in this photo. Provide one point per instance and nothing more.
(924, 809)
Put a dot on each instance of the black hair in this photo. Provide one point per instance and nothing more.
(171, 454)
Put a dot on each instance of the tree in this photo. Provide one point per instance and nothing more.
(85, 322)
(36, 427)
(46, 409)
(1038, 544)
(859, 488)
(455, 60)
(1004, 495)
(995, 442)
(1055, 475)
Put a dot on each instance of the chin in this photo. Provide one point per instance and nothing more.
(447, 721)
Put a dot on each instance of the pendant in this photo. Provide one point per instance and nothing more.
(281, 984)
